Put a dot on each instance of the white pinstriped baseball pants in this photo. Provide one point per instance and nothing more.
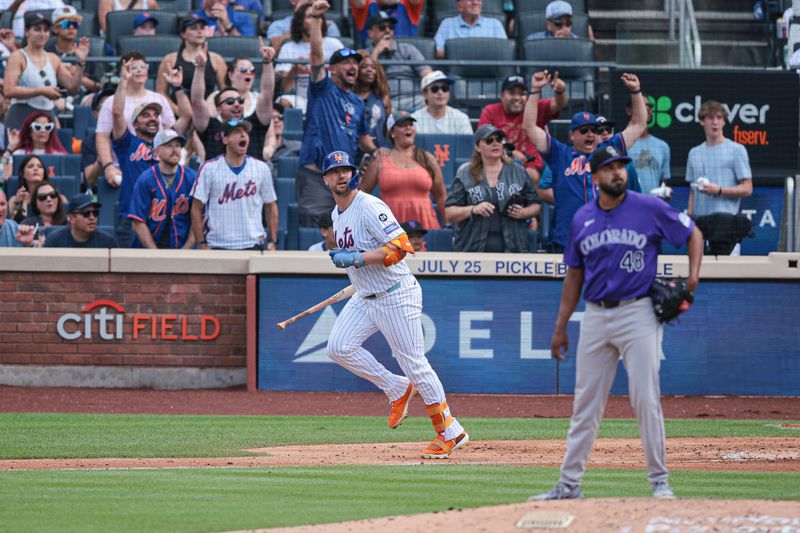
(632, 332)
(396, 315)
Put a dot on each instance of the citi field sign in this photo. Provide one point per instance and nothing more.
(106, 319)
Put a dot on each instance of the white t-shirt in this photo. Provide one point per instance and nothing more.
(234, 202)
(302, 51)
(454, 122)
(365, 225)
(105, 122)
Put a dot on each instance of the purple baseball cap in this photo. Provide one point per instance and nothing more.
(605, 156)
(583, 118)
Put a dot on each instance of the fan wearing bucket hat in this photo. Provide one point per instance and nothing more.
(134, 150)
(83, 213)
(570, 185)
(234, 198)
(161, 202)
(437, 116)
(66, 22)
(335, 120)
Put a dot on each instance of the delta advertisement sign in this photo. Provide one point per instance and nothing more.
(762, 111)
(106, 320)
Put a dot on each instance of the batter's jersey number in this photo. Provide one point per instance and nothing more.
(632, 261)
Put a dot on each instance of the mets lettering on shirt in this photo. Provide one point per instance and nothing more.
(579, 165)
(142, 153)
(346, 239)
(158, 208)
(612, 236)
(234, 192)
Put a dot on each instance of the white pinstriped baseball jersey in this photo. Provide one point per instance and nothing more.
(365, 225)
(234, 202)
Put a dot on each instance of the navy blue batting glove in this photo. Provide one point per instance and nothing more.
(347, 258)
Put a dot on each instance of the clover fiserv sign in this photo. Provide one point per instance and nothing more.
(762, 111)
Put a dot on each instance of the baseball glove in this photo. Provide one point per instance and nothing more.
(671, 297)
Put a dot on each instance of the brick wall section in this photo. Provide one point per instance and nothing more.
(31, 304)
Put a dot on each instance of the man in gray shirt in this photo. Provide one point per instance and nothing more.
(402, 79)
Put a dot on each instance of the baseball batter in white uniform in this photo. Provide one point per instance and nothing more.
(371, 245)
(233, 188)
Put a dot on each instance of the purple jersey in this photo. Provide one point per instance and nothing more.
(572, 181)
(135, 155)
(163, 208)
(618, 249)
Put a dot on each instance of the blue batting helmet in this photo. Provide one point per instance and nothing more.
(341, 159)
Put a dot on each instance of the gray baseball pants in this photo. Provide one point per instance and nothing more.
(630, 331)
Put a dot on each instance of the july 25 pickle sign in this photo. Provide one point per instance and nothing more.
(502, 267)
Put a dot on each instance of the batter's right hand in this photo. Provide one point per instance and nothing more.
(559, 341)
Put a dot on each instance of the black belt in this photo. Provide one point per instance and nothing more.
(611, 304)
(383, 293)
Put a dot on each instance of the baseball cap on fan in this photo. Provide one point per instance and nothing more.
(605, 156)
(515, 80)
(165, 136)
(379, 17)
(139, 109)
(141, 18)
(65, 13)
(398, 117)
(233, 124)
(344, 53)
(433, 77)
(582, 118)
(33, 18)
(557, 9)
(412, 227)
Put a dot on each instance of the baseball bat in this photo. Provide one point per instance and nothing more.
(343, 294)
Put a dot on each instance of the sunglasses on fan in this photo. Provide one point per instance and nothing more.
(45, 195)
(436, 88)
(48, 127)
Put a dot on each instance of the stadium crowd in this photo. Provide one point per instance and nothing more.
(220, 143)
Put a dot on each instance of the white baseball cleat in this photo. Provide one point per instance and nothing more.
(559, 492)
(662, 491)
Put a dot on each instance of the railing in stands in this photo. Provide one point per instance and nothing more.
(689, 45)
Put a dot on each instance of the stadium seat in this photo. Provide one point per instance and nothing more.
(69, 186)
(580, 80)
(307, 236)
(284, 189)
(443, 148)
(150, 46)
(534, 21)
(426, 45)
(535, 245)
(546, 224)
(120, 23)
(475, 94)
(89, 26)
(293, 124)
(181, 7)
(97, 48)
(91, 5)
(107, 196)
(55, 165)
(559, 129)
(439, 240)
(65, 136)
(441, 15)
(347, 42)
(236, 46)
(292, 226)
(287, 167)
(6, 19)
(480, 48)
(578, 6)
(82, 120)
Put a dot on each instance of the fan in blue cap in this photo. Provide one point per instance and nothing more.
(341, 159)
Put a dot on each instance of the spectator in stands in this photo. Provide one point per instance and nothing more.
(383, 47)
(193, 44)
(406, 12)
(223, 20)
(571, 183)
(437, 116)
(334, 121)
(328, 241)
(7, 45)
(3, 103)
(241, 74)
(134, 150)
(91, 166)
(32, 75)
(230, 196)
(37, 136)
(294, 77)
(279, 31)
(468, 23)
(107, 6)
(276, 146)
(135, 94)
(416, 235)
(407, 176)
(66, 22)
(46, 210)
(160, 206)
(83, 213)
(718, 170)
(491, 199)
(650, 154)
(20, 8)
(372, 87)
(249, 5)
(605, 130)
(144, 25)
(558, 22)
(506, 115)
(13, 234)
(31, 172)
(230, 106)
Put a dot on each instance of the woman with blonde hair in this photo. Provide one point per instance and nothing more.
(491, 199)
(407, 176)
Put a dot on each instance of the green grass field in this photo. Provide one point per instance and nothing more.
(219, 499)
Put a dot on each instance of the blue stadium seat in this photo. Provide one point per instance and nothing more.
(107, 196)
(69, 186)
(65, 136)
(235, 46)
(443, 147)
(287, 167)
(439, 240)
(534, 241)
(82, 120)
(120, 23)
(546, 224)
(292, 226)
(308, 236)
(55, 165)
(284, 189)
(293, 124)
(148, 45)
